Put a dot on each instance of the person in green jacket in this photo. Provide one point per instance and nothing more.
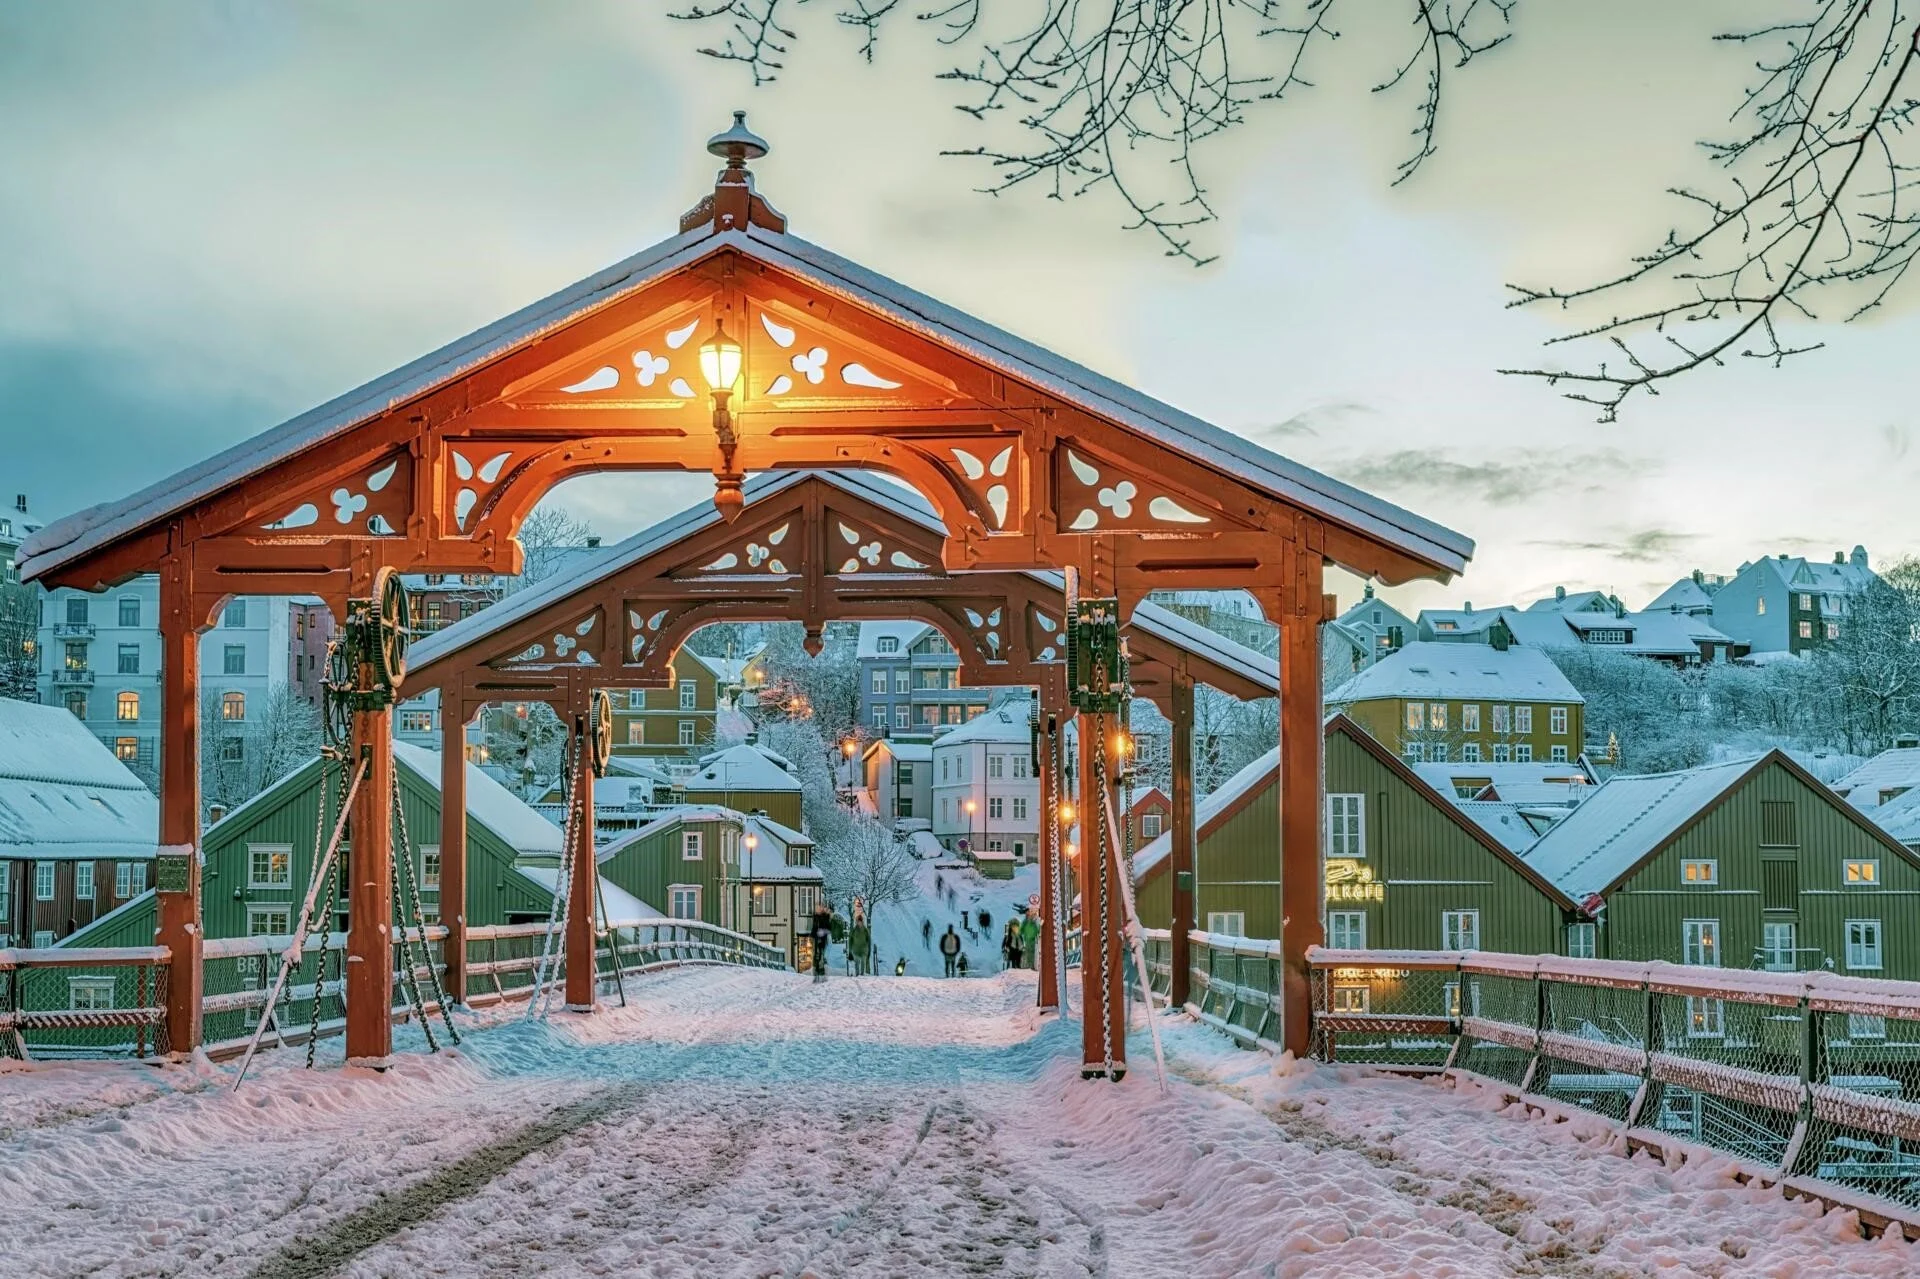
(1029, 941)
(860, 946)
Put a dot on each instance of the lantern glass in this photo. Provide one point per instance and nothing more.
(720, 359)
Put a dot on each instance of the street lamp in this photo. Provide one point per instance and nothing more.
(847, 748)
(749, 841)
(720, 366)
(974, 847)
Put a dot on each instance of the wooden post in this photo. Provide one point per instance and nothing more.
(1182, 865)
(370, 894)
(1048, 851)
(1103, 1032)
(453, 842)
(581, 978)
(1302, 746)
(177, 878)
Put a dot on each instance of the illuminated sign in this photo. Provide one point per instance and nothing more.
(1349, 880)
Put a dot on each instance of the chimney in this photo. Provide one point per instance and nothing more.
(214, 813)
(1698, 577)
(20, 503)
(1859, 557)
(1469, 607)
(593, 541)
(1559, 592)
(1839, 557)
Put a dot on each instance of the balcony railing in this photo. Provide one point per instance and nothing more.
(73, 676)
(73, 630)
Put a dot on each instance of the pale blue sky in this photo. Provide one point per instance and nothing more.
(215, 214)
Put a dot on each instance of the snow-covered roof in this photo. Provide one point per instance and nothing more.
(488, 802)
(1662, 633)
(1514, 825)
(1899, 817)
(835, 277)
(1625, 821)
(1448, 778)
(1460, 672)
(1573, 602)
(637, 766)
(666, 821)
(1256, 774)
(1008, 722)
(64, 794)
(1684, 594)
(764, 749)
(905, 633)
(741, 768)
(905, 752)
(767, 860)
(622, 907)
(1892, 770)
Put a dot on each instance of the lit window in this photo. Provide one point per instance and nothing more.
(1350, 999)
(690, 850)
(1705, 1018)
(1863, 943)
(1700, 942)
(1806, 603)
(233, 706)
(1470, 717)
(636, 732)
(1437, 716)
(1699, 872)
(1502, 719)
(126, 749)
(430, 867)
(1416, 715)
(1347, 929)
(1557, 720)
(269, 865)
(1862, 874)
(1760, 606)
(1806, 630)
(1833, 633)
(1581, 940)
(1460, 930)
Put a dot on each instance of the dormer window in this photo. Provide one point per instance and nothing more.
(887, 644)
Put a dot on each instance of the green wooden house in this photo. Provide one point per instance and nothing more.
(259, 858)
(686, 862)
(1406, 868)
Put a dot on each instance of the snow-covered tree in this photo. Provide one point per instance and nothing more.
(528, 741)
(239, 758)
(823, 688)
(864, 860)
(19, 633)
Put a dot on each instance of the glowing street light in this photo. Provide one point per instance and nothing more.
(720, 366)
(720, 360)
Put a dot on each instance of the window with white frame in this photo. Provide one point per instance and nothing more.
(688, 695)
(636, 732)
(995, 805)
(1523, 719)
(1706, 1018)
(803, 900)
(902, 716)
(1149, 822)
(996, 765)
(1700, 942)
(1779, 946)
(1347, 929)
(269, 865)
(1760, 606)
(1460, 930)
(1558, 755)
(87, 994)
(1866, 1026)
(1020, 811)
(1502, 718)
(1019, 767)
(1557, 720)
(1523, 754)
(1470, 717)
(1582, 940)
(766, 900)
(636, 699)
(902, 681)
(686, 732)
(1437, 716)
(879, 717)
(43, 881)
(1861, 873)
(1414, 753)
(690, 845)
(683, 901)
(879, 682)
(83, 881)
(1863, 944)
(1346, 825)
(1695, 872)
(269, 921)
(139, 877)
(1470, 753)
(1503, 754)
(1437, 752)
(1351, 999)
(1416, 715)
(42, 938)
(887, 644)
(123, 880)
(1227, 923)
(430, 867)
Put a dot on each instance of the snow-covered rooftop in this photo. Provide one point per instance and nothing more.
(1460, 672)
(833, 276)
(63, 794)
(902, 633)
(1516, 826)
(1896, 771)
(488, 802)
(905, 752)
(767, 859)
(741, 768)
(1008, 722)
(1626, 820)
(622, 907)
(1450, 778)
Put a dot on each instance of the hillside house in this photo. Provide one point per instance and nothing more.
(1498, 702)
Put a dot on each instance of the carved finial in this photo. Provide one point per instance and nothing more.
(734, 204)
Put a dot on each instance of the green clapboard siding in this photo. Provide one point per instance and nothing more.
(650, 863)
(1646, 912)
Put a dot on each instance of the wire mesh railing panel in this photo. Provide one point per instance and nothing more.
(1389, 1016)
(61, 1006)
(1593, 1046)
(1726, 1073)
(1863, 1123)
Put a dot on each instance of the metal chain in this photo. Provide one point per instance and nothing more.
(419, 910)
(410, 982)
(1099, 727)
(326, 930)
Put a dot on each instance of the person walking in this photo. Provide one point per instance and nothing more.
(950, 948)
(1030, 939)
(822, 935)
(986, 921)
(1014, 948)
(926, 933)
(963, 964)
(1007, 947)
(860, 946)
(963, 921)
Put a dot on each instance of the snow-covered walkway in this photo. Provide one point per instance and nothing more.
(745, 1123)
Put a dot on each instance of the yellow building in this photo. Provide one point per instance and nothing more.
(1494, 703)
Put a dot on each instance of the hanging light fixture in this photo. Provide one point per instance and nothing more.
(720, 366)
(720, 360)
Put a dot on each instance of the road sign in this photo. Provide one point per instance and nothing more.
(1033, 901)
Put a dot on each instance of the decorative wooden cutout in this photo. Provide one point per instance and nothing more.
(855, 546)
(1046, 635)
(643, 630)
(479, 468)
(372, 502)
(757, 551)
(658, 367)
(1099, 496)
(576, 643)
(792, 360)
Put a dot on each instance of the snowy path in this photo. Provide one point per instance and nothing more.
(754, 1124)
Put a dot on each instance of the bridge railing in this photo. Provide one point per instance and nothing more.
(59, 1002)
(1809, 1078)
(237, 975)
(1234, 982)
(503, 960)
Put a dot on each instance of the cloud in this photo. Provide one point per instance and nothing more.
(1644, 546)
(1520, 475)
(1311, 420)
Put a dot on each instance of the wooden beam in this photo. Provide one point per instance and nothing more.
(1302, 754)
(370, 893)
(453, 843)
(581, 978)
(177, 879)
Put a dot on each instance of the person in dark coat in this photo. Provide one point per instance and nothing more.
(950, 948)
(822, 935)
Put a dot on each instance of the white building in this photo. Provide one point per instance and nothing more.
(983, 790)
(100, 659)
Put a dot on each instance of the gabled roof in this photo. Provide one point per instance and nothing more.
(1470, 672)
(1229, 798)
(622, 906)
(1684, 594)
(1899, 817)
(1448, 777)
(1892, 769)
(871, 633)
(1514, 825)
(767, 859)
(905, 752)
(833, 276)
(740, 768)
(488, 802)
(63, 794)
(1573, 602)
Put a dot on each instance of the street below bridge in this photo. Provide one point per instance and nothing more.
(743, 1122)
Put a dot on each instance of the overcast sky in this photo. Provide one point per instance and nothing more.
(216, 213)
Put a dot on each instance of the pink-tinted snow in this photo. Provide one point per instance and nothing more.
(733, 1122)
